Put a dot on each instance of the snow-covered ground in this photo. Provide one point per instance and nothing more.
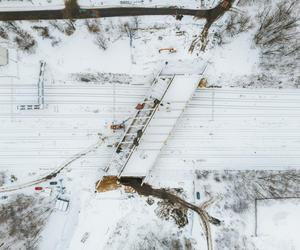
(21, 5)
(278, 219)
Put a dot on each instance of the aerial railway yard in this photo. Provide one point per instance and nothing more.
(198, 134)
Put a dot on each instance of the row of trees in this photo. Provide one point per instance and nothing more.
(21, 221)
(278, 39)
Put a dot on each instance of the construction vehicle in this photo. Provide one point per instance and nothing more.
(170, 50)
(119, 126)
(140, 106)
(115, 127)
(180, 33)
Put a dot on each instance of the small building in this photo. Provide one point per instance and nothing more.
(3, 56)
(62, 204)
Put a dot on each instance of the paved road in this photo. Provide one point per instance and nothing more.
(96, 13)
(75, 12)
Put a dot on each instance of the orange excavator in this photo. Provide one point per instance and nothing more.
(170, 50)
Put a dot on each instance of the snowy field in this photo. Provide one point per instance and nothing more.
(21, 5)
(278, 219)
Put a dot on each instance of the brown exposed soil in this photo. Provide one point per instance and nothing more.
(108, 183)
(166, 210)
(147, 190)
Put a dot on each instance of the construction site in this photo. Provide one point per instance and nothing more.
(149, 125)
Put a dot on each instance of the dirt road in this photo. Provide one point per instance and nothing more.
(146, 190)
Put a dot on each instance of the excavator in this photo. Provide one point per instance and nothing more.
(170, 50)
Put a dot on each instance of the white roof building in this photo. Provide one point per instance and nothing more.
(3, 56)
(62, 204)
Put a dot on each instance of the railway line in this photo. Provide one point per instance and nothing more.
(257, 121)
(192, 136)
(195, 117)
(180, 153)
(68, 150)
(198, 103)
(100, 96)
(195, 103)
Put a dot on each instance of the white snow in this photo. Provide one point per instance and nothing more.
(227, 63)
(277, 224)
(21, 5)
(79, 53)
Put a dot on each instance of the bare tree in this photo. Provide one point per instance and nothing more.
(21, 221)
(67, 27)
(131, 28)
(43, 31)
(277, 27)
(2, 178)
(3, 33)
(23, 39)
(234, 25)
(237, 24)
(93, 25)
(101, 41)
(25, 42)
(278, 39)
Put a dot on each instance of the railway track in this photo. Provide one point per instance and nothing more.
(192, 121)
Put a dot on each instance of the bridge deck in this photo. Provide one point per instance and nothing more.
(173, 93)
